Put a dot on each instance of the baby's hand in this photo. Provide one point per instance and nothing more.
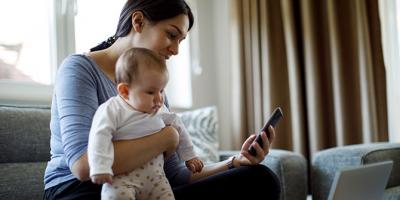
(101, 178)
(194, 165)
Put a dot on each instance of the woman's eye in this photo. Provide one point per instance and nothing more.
(171, 35)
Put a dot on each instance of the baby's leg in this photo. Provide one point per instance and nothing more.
(120, 189)
(161, 189)
(156, 185)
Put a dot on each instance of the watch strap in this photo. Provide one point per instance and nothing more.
(230, 162)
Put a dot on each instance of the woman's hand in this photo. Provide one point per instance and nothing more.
(245, 158)
(172, 141)
(165, 140)
(143, 149)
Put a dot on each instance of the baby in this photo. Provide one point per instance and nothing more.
(137, 111)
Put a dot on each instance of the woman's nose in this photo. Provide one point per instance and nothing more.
(174, 48)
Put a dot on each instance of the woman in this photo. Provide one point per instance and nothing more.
(86, 81)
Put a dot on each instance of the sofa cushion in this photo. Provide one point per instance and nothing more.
(24, 133)
(202, 125)
(22, 180)
(392, 193)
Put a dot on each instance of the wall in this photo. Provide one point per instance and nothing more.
(212, 86)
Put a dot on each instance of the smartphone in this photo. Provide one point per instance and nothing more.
(273, 120)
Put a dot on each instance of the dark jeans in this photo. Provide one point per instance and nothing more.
(73, 189)
(247, 182)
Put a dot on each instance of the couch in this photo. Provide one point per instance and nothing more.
(24, 147)
(328, 162)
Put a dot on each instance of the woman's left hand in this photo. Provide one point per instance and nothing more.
(245, 158)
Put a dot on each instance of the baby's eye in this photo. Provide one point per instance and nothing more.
(150, 92)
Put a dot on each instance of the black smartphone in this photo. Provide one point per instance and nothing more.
(273, 120)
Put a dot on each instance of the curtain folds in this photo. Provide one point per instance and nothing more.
(321, 61)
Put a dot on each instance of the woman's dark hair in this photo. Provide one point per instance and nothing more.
(153, 10)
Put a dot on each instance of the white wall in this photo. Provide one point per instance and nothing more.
(212, 86)
(391, 51)
(203, 84)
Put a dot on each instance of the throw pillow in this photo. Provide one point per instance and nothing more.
(202, 125)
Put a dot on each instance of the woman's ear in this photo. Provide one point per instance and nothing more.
(123, 90)
(138, 21)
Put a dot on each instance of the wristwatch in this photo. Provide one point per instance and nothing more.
(230, 162)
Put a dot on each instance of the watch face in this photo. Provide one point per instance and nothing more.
(230, 163)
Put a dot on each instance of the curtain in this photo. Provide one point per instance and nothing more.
(320, 61)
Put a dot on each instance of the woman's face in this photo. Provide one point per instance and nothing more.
(164, 36)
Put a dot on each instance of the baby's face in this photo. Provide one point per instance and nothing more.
(147, 93)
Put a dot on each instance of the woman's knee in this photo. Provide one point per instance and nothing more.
(264, 178)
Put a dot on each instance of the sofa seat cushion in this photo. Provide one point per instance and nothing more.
(392, 193)
(22, 180)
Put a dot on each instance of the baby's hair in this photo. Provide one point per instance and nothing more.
(130, 62)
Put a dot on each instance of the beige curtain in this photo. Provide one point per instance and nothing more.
(320, 61)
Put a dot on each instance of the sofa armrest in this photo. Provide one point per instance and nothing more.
(291, 169)
(327, 162)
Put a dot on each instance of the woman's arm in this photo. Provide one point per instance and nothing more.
(141, 150)
(244, 158)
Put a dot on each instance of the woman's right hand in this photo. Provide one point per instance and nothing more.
(172, 141)
(131, 154)
(142, 149)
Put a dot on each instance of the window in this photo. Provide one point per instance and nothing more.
(20, 39)
(389, 11)
(24, 49)
(94, 25)
(179, 88)
(42, 33)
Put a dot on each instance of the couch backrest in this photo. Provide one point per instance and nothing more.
(389, 152)
(24, 134)
(25, 150)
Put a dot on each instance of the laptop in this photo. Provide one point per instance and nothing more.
(365, 182)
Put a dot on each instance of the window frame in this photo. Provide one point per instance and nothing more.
(61, 24)
(62, 43)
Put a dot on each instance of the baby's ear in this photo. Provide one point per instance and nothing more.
(123, 90)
